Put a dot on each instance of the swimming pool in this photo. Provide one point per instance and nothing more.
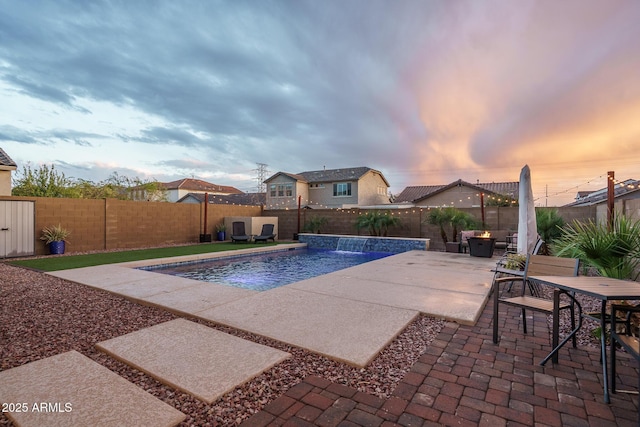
(262, 272)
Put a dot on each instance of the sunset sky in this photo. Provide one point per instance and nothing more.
(425, 91)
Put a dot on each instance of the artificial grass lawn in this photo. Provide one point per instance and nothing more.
(76, 261)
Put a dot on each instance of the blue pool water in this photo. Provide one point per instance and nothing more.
(267, 271)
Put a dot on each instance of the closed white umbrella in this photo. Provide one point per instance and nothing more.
(527, 228)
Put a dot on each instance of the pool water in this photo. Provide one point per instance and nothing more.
(262, 272)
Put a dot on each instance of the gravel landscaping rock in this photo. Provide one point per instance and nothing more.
(41, 316)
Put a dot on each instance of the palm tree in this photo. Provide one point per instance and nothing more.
(450, 217)
(377, 222)
(614, 251)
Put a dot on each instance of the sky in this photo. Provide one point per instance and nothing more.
(425, 91)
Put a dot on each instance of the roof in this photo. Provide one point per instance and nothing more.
(330, 175)
(199, 185)
(621, 189)
(252, 199)
(5, 160)
(421, 192)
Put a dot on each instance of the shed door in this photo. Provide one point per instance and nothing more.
(17, 228)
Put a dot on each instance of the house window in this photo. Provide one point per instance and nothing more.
(341, 189)
(281, 190)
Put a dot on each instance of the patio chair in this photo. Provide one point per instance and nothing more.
(540, 265)
(238, 234)
(265, 234)
(624, 337)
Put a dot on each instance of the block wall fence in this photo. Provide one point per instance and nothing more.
(104, 224)
(412, 221)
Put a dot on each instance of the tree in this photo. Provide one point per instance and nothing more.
(44, 181)
(450, 217)
(376, 222)
(549, 224)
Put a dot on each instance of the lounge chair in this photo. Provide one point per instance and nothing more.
(265, 234)
(239, 235)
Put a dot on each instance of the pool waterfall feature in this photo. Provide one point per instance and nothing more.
(363, 243)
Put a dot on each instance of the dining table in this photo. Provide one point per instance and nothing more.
(602, 288)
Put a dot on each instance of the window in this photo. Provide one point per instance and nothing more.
(341, 189)
(281, 190)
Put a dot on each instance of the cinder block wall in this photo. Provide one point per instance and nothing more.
(99, 224)
(412, 221)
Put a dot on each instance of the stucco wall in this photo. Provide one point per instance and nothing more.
(5, 183)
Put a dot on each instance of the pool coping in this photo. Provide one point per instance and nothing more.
(382, 293)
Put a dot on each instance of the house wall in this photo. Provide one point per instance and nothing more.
(285, 202)
(324, 196)
(5, 182)
(461, 196)
(368, 190)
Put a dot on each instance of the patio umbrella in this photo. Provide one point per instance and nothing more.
(527, 229)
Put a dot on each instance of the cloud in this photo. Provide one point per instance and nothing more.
(426, 92)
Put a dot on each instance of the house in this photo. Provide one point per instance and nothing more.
(623, 190)
(245, 199)
(175, 190)
(460, 194)
(6, 167)
(327, 188)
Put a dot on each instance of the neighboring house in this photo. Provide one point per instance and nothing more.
(460, 194)
(246, 199)
(623, 190)
(175, 190)
(327, 188)
(6, 167)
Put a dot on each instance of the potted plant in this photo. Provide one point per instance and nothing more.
(221, 230)
(55, 238)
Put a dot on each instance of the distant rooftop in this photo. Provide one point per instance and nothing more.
(5, 160)
(621, 189)
(199, 185)
(415, 193)
(251, 199)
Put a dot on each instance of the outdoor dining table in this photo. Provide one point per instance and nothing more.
(602, 288)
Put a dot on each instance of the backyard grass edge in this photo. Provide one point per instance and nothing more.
(66, 262)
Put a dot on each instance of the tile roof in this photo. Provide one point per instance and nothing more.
(199, 185)
(420, 192)
(251, 199)
(5, 160)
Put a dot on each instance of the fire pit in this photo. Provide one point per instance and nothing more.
(482, 245)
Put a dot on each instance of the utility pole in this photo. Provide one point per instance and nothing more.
(261, 171)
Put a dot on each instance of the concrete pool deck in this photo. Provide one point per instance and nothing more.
(349, 315)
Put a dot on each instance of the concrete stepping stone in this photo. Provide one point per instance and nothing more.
(346, 330)
(191, 357)
(70, 389)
